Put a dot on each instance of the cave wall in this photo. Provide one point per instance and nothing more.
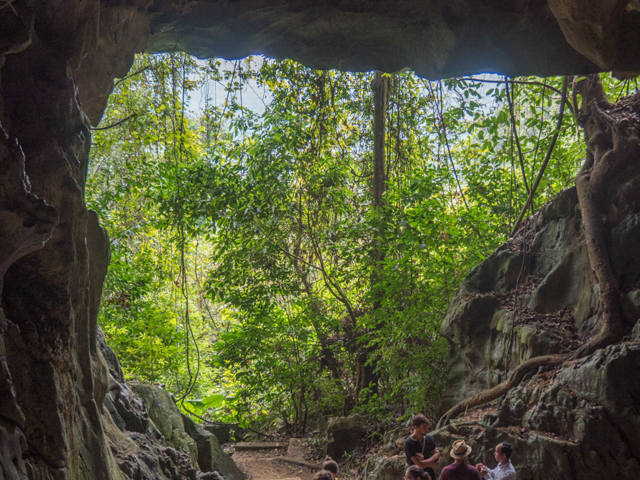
(57, 64)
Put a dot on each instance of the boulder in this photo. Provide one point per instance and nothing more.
(631, 307)
(316, 421)
(390, 468)
(128, 411)
(225, 432)
(635, 333)
(499, 318)
(579, 420)
(167, 417)
(345, 435)
(211, 457)
(582, 423)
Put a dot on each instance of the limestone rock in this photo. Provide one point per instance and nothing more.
(579, 420)
(128, 411)
(487, 324)
(635, 333)
(58, 61)
(225, 432)
(12, 443)
(211, 457)
(566, 428)
(166, 417)
(345, 434)
(141, 451)
(595, 29)
(391, 468)
(631, 307)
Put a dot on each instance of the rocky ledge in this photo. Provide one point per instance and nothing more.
(578, 421)
(150, 438)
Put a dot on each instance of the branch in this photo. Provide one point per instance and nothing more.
(329, 283)
(287, 252)
(119, 122)
(123, 79)
(522, 82)
(565, 84)
(515, 134)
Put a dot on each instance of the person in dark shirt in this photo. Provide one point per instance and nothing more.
(420, 448)
(460, 469)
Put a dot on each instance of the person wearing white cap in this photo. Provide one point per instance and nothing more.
(460, 469)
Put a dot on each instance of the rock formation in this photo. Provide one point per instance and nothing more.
(58, 61)
(150, 438)
(562, 295)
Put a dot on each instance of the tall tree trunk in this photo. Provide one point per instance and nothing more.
(367, 377)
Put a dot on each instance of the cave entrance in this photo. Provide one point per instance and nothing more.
(58, 61)
(239, 201)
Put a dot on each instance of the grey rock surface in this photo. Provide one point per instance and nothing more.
(225, 432)
(345, 434)
(581, 419)
(386, 468)
(211, 457)
(58, 61)
(166, 417)
(582, 423)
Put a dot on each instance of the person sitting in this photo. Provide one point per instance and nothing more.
(420, 448)
(323, 475)
(331, 465)
(460, 470)
(414, 472)
(504, 470)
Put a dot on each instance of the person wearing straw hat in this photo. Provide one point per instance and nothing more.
(460, 469)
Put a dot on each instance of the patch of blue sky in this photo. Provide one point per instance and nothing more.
(214, 92)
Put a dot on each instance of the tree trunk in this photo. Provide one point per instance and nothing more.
(367, 377)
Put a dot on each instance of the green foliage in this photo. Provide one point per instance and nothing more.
(243, 242)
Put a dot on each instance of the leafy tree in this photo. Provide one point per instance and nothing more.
(259, 267)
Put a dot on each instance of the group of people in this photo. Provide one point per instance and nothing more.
(422, 455)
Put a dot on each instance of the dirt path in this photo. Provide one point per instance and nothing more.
(271, 464)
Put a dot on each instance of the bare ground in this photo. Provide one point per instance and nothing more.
(265, 465)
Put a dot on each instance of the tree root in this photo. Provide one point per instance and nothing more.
(502, 388)
(612, 145)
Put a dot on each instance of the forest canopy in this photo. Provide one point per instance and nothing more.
(258, 272)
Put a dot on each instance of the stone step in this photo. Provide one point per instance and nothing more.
(298, 462)
(247, 446)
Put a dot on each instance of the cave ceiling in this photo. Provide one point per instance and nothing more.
(436, 38)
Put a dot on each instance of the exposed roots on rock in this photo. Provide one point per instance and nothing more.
(502, 388)
(613, 146)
